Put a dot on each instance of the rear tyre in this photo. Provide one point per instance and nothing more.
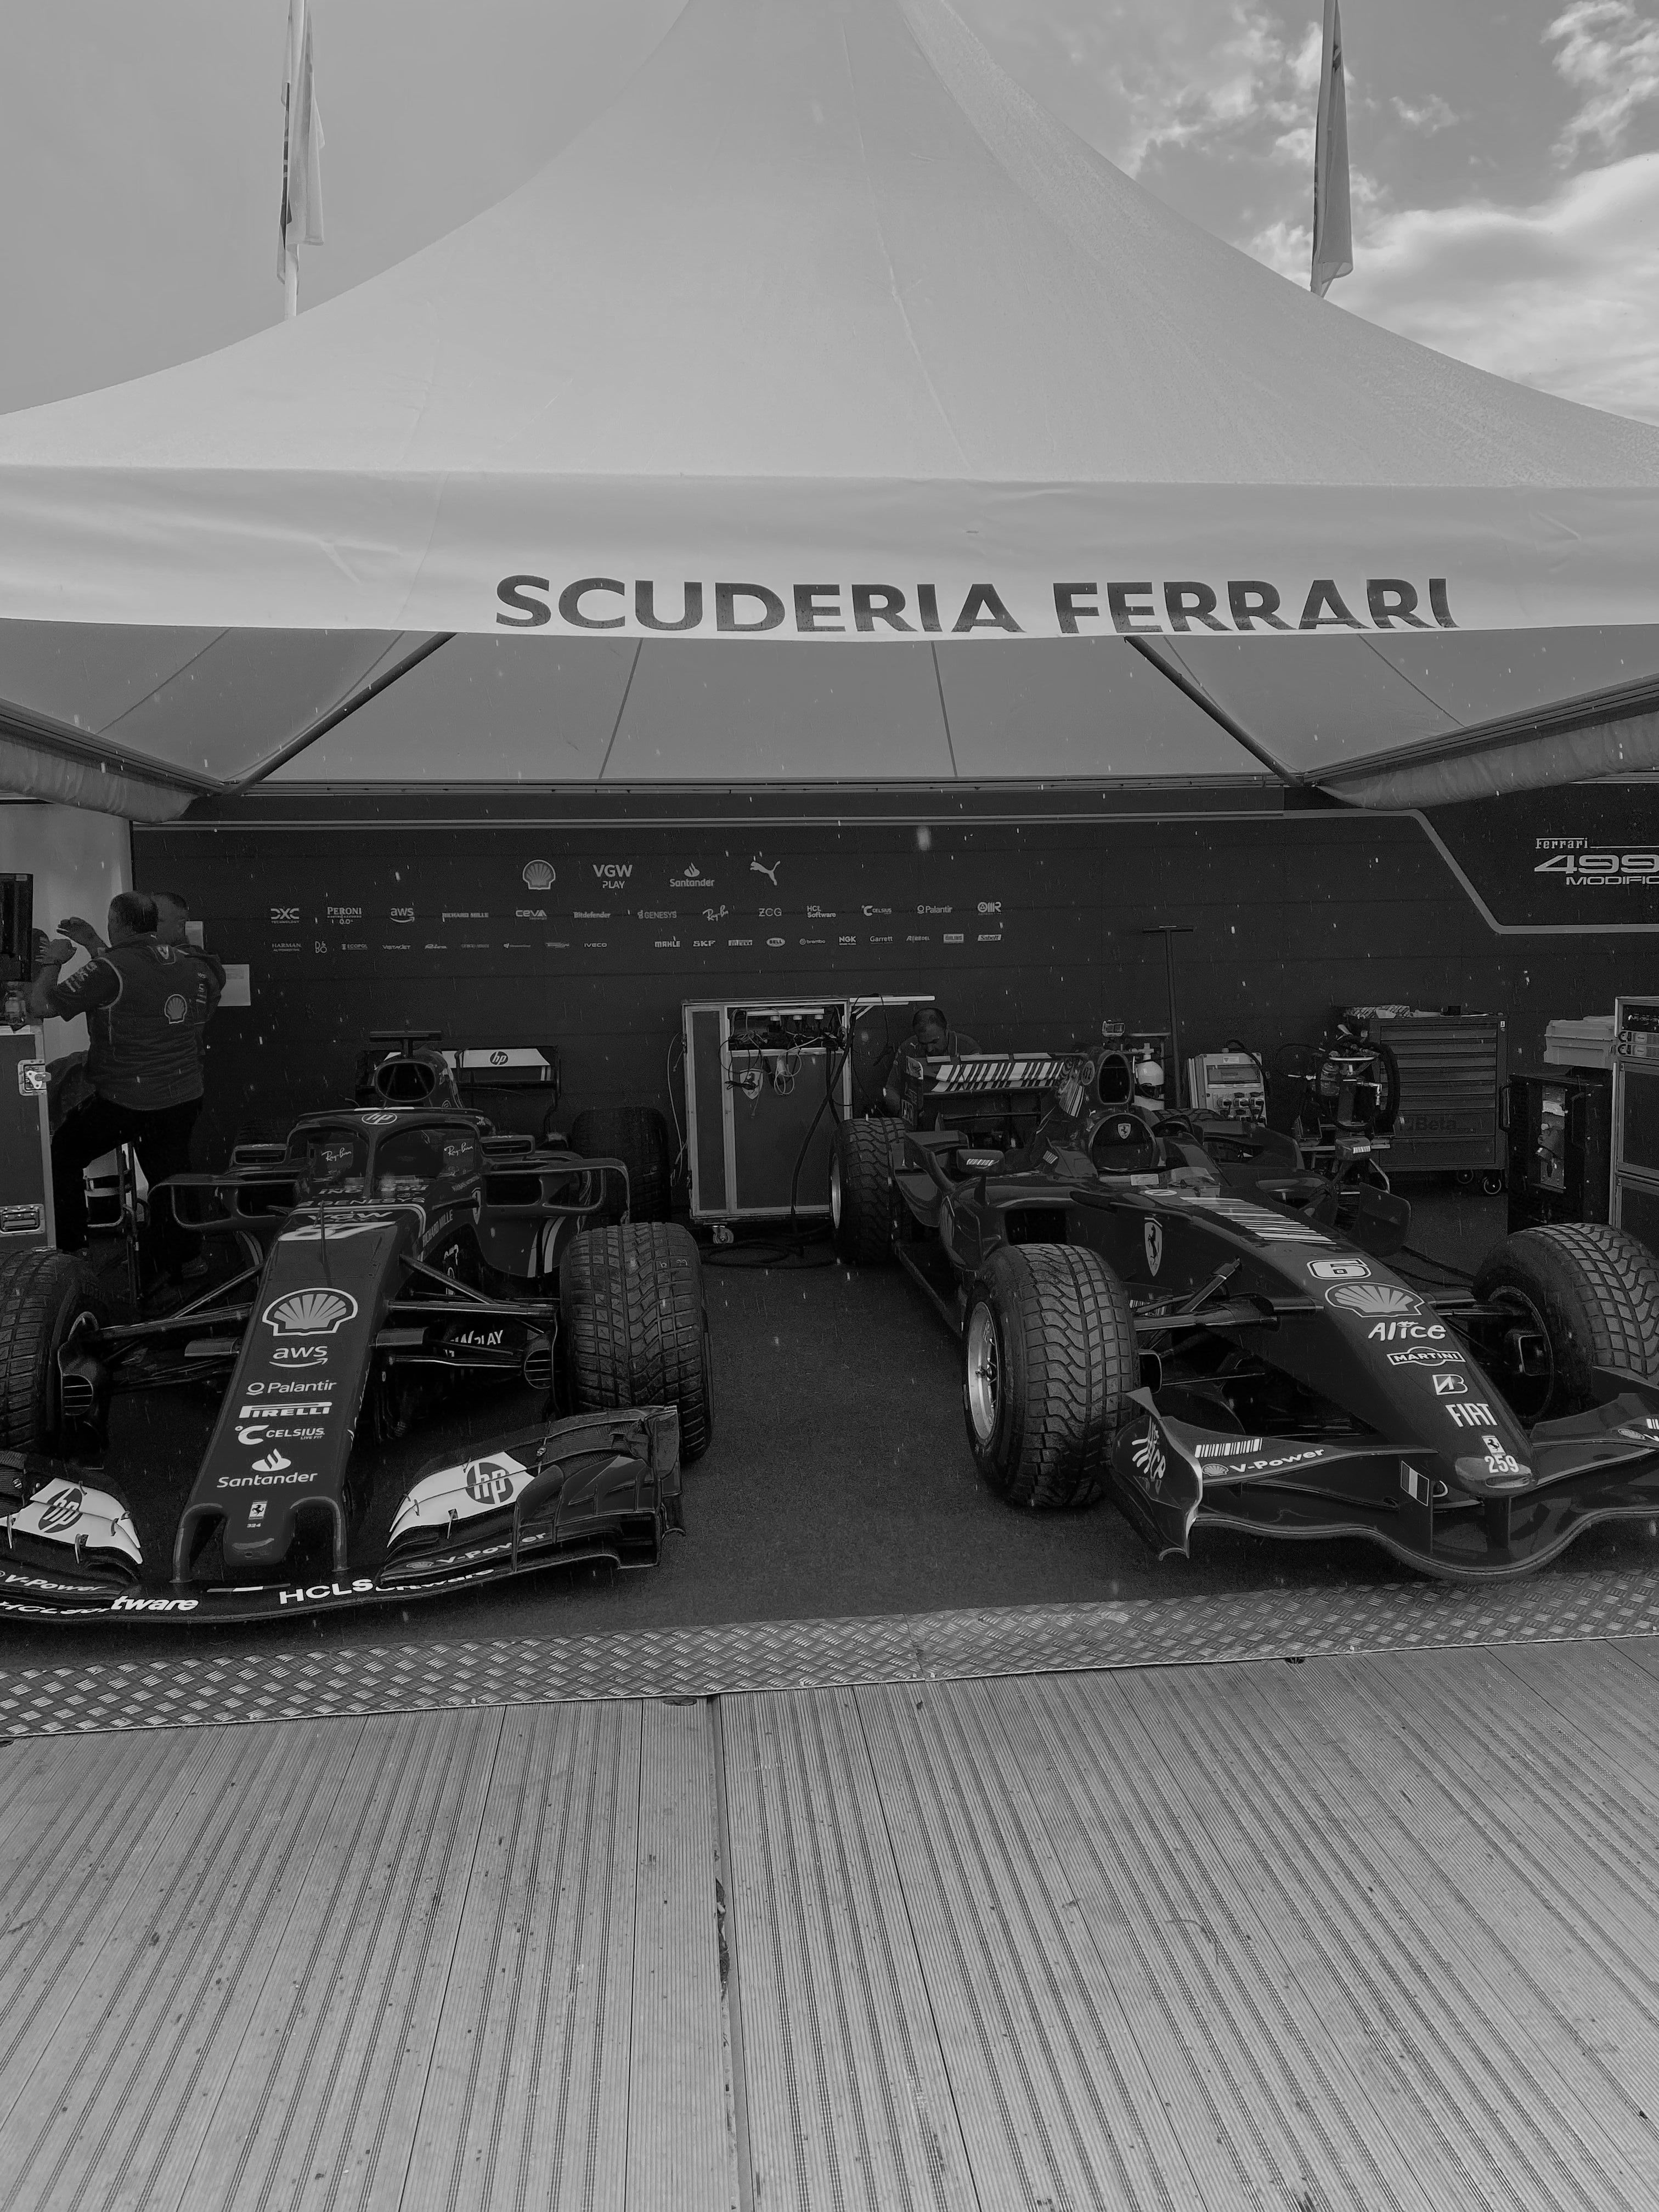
(860, 1168)
(1050, 1360)
(638, 1137)
(635, 1328)
(1592, 1291)
(42, 1294)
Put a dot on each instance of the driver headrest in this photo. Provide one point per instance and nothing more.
(1123, 1144)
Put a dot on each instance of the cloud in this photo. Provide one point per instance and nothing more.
(1610, 52)
(1425, 115)
(1564, 295)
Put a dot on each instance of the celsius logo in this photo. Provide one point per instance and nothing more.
(288, 914)
(539, 875)
(613, 872)
(1374, 1299)
(309, 1313)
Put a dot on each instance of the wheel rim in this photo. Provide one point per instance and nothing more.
(984, 1373)
(835, 1191)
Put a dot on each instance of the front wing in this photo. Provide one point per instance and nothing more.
(597, 1487)
(1491, 1523)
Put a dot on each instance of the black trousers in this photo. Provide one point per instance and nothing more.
(160, 1137)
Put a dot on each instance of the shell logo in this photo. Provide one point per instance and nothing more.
(1375, 1300)
(309, 1313)
(539, 875)
(176, 1007)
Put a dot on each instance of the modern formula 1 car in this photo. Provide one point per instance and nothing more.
(1177, 1313)
(390, 1252)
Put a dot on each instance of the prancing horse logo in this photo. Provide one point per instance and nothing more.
(1153, 1232)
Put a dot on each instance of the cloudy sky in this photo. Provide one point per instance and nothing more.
(1505, 156)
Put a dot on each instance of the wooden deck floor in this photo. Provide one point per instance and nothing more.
(1361, 1932)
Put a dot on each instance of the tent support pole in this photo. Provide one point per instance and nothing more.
(336, 715)
(1190, 688)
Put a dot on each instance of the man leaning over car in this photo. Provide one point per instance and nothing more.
(146, 1003)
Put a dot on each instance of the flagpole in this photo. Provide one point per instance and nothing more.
(291, 284)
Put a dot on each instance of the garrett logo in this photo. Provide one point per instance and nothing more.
(539, 875)
(309, 1313)
(1374, 1298)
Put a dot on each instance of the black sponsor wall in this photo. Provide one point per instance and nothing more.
(589, 938)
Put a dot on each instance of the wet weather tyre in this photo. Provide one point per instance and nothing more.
(1592, 1291)
(860, 1169)
(1050, 1360)
(638, 1137)
(634, 1325)
(42, 1294)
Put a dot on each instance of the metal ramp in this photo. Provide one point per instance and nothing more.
(1369, 1931)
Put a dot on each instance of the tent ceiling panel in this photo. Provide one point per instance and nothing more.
(700, 713)
(87, 675)
(482, 710)
(1477, 679)
(1316, 702)
(1091, 709)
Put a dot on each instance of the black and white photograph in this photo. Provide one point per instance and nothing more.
(829, 1200)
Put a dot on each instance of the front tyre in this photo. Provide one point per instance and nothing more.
(1050, 1360)
(43, 1294)
(1592, 1292)
(860, 1168)
(635, 1328)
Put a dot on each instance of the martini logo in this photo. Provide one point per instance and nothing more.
(310, 1313)
(176, 1007)
(490, 1481)
(1426, 1358)
(539, 875)
(1374, 1300)
(1154, 1235)
(1339, 1271)
(62, 1512)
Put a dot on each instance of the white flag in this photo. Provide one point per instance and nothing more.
(1332, 226)
(302, 222)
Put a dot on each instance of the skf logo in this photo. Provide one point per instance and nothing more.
(613, 873)
(288, 914)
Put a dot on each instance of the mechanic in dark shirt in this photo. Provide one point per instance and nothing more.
(146, 1004)
(931, 1038)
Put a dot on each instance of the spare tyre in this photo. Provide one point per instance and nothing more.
(861, 1172)
(1049, 1359)
(43, 1294)
(635, 1328)
(638, 1137)
(1592, 1292)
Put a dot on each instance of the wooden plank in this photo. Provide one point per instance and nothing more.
(1350, 1880)
(849, 2099)
(1266, 2112)
(681, 2147)
(139, 2054)
(1055, 2099)
(526, 2099)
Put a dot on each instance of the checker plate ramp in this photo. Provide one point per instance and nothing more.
(1374, 1933)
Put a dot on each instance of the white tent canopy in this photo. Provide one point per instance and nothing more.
(824, 333)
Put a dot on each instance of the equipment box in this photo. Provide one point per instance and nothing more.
(1451, 1071)
(26, 1151)
(1560, 1131)
(761, 1083)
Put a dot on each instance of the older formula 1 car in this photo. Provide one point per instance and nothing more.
(390, 1252)
(1180, 1315)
